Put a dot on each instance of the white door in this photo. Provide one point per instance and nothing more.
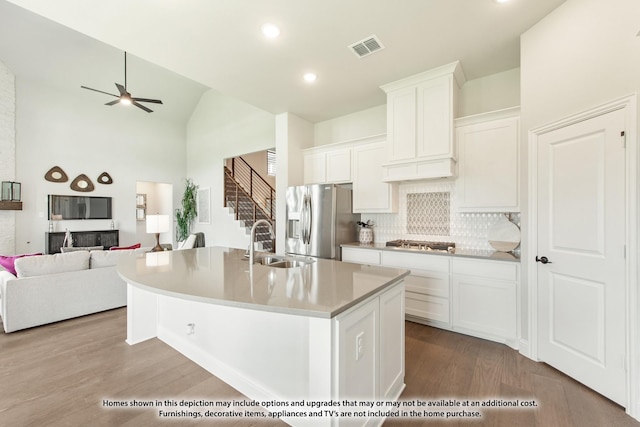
(581, 250)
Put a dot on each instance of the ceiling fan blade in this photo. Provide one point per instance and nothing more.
(155, 101)
(121, 89)
(148, 110)
(113, 102)
(96, 90)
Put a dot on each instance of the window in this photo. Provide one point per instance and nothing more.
(271, 162)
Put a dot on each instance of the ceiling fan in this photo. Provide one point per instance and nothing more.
(125, 97)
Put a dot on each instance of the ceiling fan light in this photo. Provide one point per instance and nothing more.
(126, 100)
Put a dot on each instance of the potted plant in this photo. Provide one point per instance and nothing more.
(188, 212)
(366, 232)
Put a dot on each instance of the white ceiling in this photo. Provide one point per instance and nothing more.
(218, 43)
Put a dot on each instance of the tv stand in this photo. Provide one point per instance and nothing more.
(106, 238)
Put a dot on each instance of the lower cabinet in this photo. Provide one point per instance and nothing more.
(370, 343)
(485, 299)
(427, 287)
(477, 297)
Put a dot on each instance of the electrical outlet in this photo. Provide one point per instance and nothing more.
(359, 345)
(191, 328)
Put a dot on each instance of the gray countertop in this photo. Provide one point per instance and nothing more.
(459, 252)
(215, 275)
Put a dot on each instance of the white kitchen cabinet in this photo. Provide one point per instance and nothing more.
(485, 299)
(371, 357)
(361, 256)
(315, 168)
(426, 288)
(358, 363)
(477, 297)
(420, 114)
(370, 193)
(391, 343)
(488, 162)
(323, 166)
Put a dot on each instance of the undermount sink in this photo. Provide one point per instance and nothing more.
(283, 262)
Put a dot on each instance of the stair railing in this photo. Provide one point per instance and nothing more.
(254, 185)
(236, 193)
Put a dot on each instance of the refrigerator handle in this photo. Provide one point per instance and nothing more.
(309, 219)
(303, 220)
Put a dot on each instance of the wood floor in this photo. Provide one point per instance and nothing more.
(60, 375)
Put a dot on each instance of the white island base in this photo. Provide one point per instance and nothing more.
(273, 356)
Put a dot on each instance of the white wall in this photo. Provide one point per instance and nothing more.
(80, 135)
(7, 154)
(490, 93)
(293, 134)
(258, 161)
(222, 127)
(495, 92)
(361, 124)
(583, 54)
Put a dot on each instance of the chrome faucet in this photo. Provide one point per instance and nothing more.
(253, 236)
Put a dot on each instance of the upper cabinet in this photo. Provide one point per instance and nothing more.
(420, 124)
(370, 193)
(358, 162)
(488, 161)
(323, 165)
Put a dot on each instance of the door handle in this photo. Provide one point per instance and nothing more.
(543, 259)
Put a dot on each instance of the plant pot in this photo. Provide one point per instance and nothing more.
(366, 235)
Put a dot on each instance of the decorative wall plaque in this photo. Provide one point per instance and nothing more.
(82, 183)
(105, 178)
(56, 174)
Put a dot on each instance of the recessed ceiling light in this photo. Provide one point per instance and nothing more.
(309, 77)
(501, 1)
(270, 31)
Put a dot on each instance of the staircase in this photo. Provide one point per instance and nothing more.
(250, 198)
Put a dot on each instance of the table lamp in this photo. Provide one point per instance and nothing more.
(157, 224)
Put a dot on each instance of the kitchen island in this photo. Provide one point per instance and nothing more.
(324, 331)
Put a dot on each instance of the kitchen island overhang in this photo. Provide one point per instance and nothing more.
(325, 331)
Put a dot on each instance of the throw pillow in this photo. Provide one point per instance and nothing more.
(121, 248)
(8, 262)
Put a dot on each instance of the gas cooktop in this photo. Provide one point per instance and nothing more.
(419, 245)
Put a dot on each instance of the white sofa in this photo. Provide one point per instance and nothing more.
(50, 288)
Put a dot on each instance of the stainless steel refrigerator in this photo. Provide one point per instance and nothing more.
(319, 219)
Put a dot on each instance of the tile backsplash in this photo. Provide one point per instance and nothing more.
(422, 216)
(429, 213)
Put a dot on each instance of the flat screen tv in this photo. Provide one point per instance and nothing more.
(79, 207)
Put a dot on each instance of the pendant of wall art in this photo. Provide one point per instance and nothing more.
(82, 183)
(56, 174)
(105, 178)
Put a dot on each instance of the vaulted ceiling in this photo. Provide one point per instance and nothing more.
(180, 48)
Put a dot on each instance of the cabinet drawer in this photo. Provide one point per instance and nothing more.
(428, 283)
(361, 256)
(483, 268)
(413, 261)
(427, 307)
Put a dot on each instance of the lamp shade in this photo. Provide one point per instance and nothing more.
(157, 223)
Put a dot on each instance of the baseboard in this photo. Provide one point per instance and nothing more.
(525, 350)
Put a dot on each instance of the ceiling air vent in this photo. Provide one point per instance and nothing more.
(366, 47)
